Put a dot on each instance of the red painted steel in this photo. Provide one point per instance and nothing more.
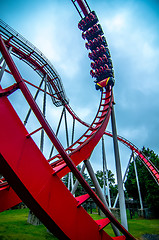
(102, 223)
(147, 163)
(28, 172)
(33, 85)
(83, 7)
(82, 199)
(32, 168)
(8, 198)
(74, 115)
(38, 192)
(9, 90)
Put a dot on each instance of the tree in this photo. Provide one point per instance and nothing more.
(111, 179)
(80, 190)
(149, 188)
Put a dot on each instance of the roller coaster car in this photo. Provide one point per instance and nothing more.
(94, 55)
(97, 63)
(92, 73)
(93, 32)
(96, 42)
(100, 53)
(102, 75)
(88, 21)
(105, 83)
(94, 65)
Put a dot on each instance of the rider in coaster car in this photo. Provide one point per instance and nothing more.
(106, 68)
(87, 45)
(92, 73)
(81, 24)
(95, 42)
(88, 21)
(83, 35)
(91, 56)
(92, 44)
(93, 65)
(102, 49)
(105, 59)
(100, 61)
(91, 32)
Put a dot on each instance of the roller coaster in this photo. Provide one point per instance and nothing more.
(29, 175)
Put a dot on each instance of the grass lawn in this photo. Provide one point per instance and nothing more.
(14, 226)
(137, 226)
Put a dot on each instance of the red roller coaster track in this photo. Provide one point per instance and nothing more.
(43, 191)
(147, 163)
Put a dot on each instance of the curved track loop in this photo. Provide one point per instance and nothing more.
(43, 191)
(28, 53)
(83, 147)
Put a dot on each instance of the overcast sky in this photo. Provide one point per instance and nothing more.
(131, 28)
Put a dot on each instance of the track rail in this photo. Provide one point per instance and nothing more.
(28, 53)
(83, 147)
(147, 163)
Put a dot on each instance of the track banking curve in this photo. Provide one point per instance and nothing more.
(20, 157)
(147, 163)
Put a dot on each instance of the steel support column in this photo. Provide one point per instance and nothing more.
(77, 182)
(98, 190)
(73, 131)
(58, 127)
(44, 113)
(4, 65)
(95, 182)
(35, 97)
(117, 197)
(137, 181)
(118, 172)
(105, 173)
(70, 176)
